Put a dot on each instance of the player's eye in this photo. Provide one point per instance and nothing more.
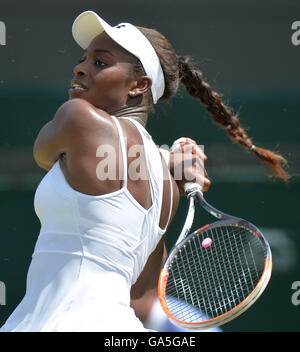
(100, 63)
(97, 62)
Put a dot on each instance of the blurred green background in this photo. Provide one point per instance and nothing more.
(245, 51)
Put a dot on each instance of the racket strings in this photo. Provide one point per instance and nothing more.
(207, 282)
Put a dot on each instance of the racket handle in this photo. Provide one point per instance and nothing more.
(191, 187)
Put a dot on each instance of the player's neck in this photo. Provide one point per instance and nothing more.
(137, 113)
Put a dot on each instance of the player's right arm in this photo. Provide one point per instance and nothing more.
(73, 122)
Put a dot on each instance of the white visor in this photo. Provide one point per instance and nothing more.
(89, 25)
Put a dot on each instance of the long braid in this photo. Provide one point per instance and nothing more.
(181, 69)
(193, 81)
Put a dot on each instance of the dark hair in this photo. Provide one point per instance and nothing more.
(182, 69)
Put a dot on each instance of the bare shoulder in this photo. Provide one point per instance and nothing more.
(76, 125)
(78, 115)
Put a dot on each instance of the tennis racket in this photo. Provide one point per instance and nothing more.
(215, 273)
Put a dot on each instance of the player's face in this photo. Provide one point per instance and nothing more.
(104, 75)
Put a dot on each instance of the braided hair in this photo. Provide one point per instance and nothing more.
(182, 69)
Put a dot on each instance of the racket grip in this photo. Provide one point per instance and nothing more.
(191, 187)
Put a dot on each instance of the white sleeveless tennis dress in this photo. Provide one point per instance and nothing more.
(89, 252)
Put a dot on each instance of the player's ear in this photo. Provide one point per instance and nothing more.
(140, 86)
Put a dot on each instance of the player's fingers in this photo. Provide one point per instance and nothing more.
(186, 145)
(201, 176)
(188, 150)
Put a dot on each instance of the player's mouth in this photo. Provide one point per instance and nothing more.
(77, 87)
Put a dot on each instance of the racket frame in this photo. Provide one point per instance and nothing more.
(195, 195)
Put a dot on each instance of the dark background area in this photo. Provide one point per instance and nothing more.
(245, 51)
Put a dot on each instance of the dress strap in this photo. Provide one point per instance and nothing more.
(171, 203)
(123, 150)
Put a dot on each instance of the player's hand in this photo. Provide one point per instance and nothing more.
(187, 164)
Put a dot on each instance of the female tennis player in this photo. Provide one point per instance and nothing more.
(101, 241)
